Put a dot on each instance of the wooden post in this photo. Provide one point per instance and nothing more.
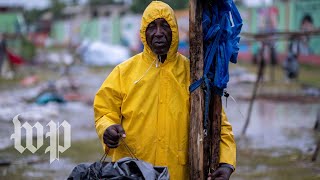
(317, 128)
(203, 151)
(214, 134)
(196, 139)
(255, 89)
(215, 111)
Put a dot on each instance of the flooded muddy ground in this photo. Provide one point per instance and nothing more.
(279, 141)
(278, 144)
(85, 146)
(280, 138)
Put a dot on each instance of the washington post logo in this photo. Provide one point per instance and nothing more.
(54, 133)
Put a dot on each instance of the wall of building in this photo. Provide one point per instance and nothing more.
(281, 16)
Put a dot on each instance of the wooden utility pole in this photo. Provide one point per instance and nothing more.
(196, 138)
(203, 151)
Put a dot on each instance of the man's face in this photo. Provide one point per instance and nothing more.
(159, 36)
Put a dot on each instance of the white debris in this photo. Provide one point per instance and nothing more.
(101, 54)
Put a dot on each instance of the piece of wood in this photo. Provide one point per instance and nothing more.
(263, 36)
(196, 139)
(317, 123)
(216, 109)
(255, 89)
(316, 152)
(212, 153)
(317, 129)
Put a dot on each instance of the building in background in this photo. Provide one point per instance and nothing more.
(11, 18)
(111, 24)
(95, 23)
(283, 15)
(12, 24)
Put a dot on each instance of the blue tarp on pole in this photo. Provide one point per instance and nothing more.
(221, 24)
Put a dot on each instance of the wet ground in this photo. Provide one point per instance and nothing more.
(85, 147)
(278, 143)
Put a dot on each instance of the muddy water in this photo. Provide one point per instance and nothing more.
(278, 143)
(275, 124)
(279, 140)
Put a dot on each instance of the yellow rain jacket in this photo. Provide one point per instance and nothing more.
(151, 101)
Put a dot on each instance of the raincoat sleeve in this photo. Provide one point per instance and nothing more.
(227, 143)
(107, 104)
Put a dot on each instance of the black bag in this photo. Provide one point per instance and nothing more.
(125, 168)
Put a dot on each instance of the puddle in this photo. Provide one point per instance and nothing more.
(275, 124)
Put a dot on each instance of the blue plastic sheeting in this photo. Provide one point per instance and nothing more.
(221, 23)
(49, 97)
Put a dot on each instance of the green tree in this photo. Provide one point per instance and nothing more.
(138, 6)
(32, 15)
(56, 8)
(99, 2)
(180, 4)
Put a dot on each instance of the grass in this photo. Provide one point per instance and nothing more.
(262, 164)
(80, 151)
(101, 69)
(84, 151)
(310, 75)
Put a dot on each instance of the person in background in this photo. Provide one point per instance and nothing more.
(298, 46)
(303, 43)
(291, 65)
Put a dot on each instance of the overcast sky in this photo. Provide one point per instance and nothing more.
(28, 4)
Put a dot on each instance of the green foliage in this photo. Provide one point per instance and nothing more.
(28, 49)
(138, 6)
(56, 8)
(33, 15)
(99, 2)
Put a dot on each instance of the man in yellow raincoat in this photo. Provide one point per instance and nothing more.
(146, 101)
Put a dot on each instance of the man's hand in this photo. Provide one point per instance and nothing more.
(112, 135)
(222, 173)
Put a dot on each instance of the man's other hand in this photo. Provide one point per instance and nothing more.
(222, 173)
(112, 135)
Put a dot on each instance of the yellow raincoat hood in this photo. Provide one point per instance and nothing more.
(152, 104)
(157, 10)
